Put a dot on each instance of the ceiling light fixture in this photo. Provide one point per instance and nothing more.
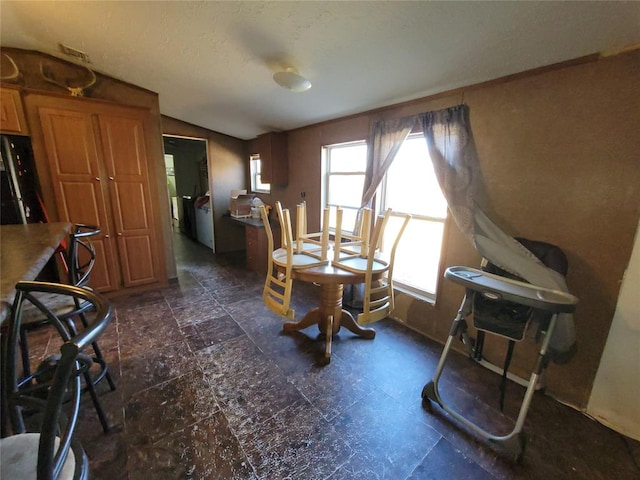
(290, 79)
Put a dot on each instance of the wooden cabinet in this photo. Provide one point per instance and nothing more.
(97, 166)
(12, 119)
(256, 242)
(272, 148)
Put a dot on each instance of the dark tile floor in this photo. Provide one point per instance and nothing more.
(210, 388)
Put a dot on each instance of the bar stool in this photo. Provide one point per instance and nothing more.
(74, 312)
(49, 450)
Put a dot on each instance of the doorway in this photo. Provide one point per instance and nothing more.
(188, 188)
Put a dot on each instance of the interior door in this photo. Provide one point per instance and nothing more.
(125, 159)
(74, 166)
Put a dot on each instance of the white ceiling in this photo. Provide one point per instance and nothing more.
(212, 62)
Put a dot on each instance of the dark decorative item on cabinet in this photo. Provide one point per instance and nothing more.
(77, 91)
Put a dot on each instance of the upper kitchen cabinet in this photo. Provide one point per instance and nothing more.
(12, 119)
(272, 148)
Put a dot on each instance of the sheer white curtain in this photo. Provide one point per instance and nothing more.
(453, 153)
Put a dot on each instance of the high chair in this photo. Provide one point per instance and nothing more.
(504, 307)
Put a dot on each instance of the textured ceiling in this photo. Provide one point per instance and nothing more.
(212, 62)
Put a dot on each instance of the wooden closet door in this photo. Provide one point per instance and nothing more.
(125, 159)
(73, 158)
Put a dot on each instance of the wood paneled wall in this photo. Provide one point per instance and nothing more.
(560, 152)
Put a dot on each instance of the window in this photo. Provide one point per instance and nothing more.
(410, 186)
(256, 183)
(345, 166)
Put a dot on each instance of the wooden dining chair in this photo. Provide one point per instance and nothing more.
(378, 302)
(276, 294)
(315, 244)
(43, 409)
(358, 241)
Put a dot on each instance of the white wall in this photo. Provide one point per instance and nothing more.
(615, 398)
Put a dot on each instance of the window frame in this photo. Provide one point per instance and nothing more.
(255, 169)
(382, 201)
(327, 174)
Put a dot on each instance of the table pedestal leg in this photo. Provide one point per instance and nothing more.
(329, 317)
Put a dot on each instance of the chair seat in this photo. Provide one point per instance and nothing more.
(358, 264)
(19, 458)
(298, 260)
(61, 306)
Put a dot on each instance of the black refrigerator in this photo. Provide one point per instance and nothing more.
(19, 187)
(20, 191)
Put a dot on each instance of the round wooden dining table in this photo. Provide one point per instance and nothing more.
(329, 315)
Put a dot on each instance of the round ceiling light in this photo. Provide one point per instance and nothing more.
(292, 80)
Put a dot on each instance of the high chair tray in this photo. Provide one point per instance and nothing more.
(495, 287)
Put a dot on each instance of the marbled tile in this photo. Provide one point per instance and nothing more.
(445, 462)
(333, 388)
(205, 450)
(183, 401)
(193, 313)
(138, 301)
(296, 443)
(393, 436)
(204, 271)
(135, 315)
(185, 298)
(251, 397)
(228, 296)
(362, 466)
(107, 453)
(219, 280)
(230, 358)
(150, 367)
(211, 332)
(264, 328)
(399, 373)
(463, 440)
(253, 313)
(134, 343)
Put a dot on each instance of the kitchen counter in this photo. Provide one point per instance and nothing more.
(256, 241)
(24, 251)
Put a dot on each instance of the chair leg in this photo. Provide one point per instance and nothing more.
(103, 365)
(91, 381)
(24, 353)
(96, 402)
(98, 358)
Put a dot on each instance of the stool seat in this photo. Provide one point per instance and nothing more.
(19, 458)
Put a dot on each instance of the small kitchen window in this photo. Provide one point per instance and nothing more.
(256, 177)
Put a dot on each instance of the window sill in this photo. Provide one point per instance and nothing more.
(424, 296)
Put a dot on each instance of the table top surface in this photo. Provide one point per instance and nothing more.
(24, 250)
(328, 274)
